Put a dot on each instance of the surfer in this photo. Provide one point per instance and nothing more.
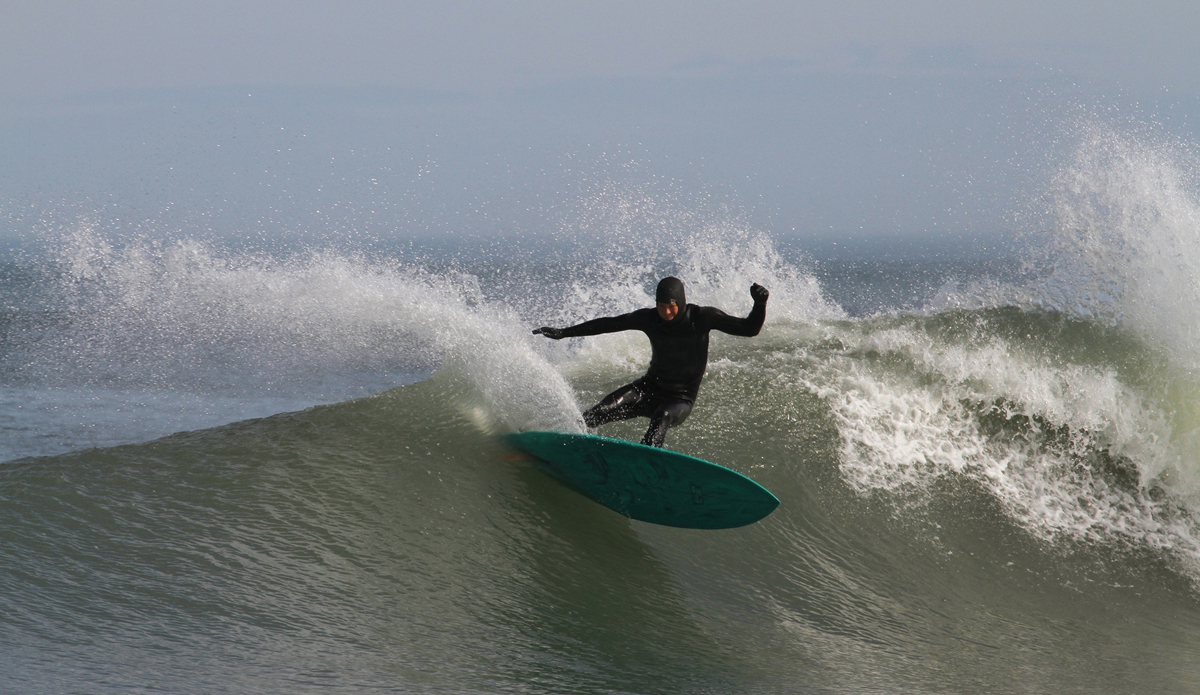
(678, 334)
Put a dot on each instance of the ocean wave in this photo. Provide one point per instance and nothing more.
(1073, 437)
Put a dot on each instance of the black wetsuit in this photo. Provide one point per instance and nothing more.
(679, 356)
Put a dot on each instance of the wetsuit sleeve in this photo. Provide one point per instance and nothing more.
(632, 321)
(718, 320)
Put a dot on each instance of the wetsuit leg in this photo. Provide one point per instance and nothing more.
(624, 403)
(667, 414)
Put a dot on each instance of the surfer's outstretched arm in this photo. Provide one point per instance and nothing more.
(633, 321)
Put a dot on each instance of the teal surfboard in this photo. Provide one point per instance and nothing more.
(646, 483)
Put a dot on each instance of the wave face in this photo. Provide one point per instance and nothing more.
(995, 490)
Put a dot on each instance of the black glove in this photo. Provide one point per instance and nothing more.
(759, 293)
(552, 333)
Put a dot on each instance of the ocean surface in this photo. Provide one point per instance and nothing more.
(277, 470)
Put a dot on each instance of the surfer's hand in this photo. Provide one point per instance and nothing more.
(759, 293)
(552, 333)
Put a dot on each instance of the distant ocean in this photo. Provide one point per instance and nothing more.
(277, 471)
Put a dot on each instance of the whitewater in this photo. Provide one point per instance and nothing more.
(279, 470)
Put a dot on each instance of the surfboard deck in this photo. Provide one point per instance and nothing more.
(646, 483)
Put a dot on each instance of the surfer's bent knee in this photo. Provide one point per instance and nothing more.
(675, 413)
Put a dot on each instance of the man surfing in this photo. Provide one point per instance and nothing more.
(678, 334)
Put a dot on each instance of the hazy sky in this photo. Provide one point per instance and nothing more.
(54, 47)
(881, 119)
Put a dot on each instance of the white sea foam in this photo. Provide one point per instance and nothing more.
(317, 327)
(1118, 244)
(911, 409)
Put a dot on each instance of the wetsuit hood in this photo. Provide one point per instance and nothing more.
(670, 289)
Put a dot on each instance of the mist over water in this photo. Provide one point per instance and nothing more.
(978, 462)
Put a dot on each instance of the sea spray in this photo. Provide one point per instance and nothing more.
(1069, 449)
(625, 237)
(1072, 445)
(1123, 248)
(143, 320)
(1100, 375)
(1124, 242)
